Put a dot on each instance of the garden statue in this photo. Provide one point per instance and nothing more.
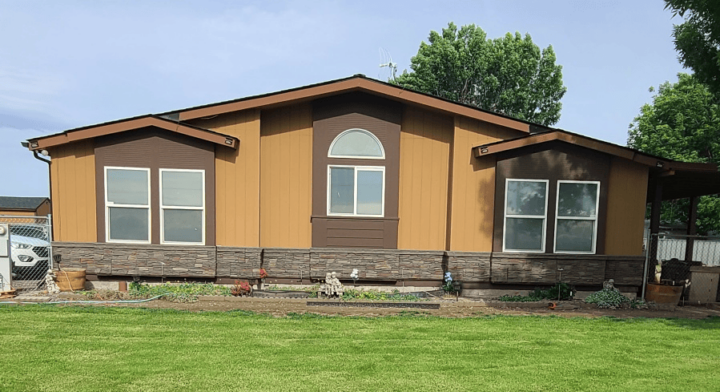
(338, 288)
(609, 285)
(52, 287)
(332, 287)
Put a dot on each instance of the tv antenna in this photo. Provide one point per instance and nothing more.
(386, 61)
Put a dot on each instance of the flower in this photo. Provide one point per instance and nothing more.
(448, 277)
(354, 274)
(263, 273)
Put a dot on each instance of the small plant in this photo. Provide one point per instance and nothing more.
(263, 273)
(608, 298)
(562, 291)
(373, 295)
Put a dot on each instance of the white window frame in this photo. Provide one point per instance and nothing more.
(357, 168)
(343, 133)
(163, 208)
(594, 219)
(109, 204)
(543, 217)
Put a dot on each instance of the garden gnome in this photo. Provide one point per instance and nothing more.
(52, 287)
(337, 287)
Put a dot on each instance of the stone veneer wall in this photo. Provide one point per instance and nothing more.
(137, 259)
(373, 265)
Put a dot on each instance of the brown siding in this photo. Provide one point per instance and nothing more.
(44, 209)
(73, 192)
(472, 183)
(330, 118)
(552, 162)
(286, 177)
(626, 208)
(17, 213)
(237, 178)
(425, 141)
(155, 149)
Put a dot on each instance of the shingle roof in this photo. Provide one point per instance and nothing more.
(21, 203)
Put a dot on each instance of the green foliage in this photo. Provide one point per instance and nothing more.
(606, 298)
(697, 39)
(565, 290)
(184, 292)
(131, 349)
(508, 75)
(683, 124)
(373, 295)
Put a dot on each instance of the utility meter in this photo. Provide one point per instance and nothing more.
(5, 265)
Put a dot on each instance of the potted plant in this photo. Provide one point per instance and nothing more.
(660, 292)
(449, 285)
(263, 275)
(241, 288)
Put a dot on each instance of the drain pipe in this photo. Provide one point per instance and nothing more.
(49, 163)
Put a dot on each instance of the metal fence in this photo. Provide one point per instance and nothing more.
(675, 265)
(30, 250)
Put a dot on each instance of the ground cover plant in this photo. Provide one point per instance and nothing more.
(375, 295)
(97, 348)
(177, 292)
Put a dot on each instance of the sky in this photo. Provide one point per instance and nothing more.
(65, 64)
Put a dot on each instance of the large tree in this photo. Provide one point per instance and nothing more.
(682, 123)
(508, 75)
(697, 39)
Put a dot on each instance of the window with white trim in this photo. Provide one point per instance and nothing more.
(182, 206)
(576, 217)
(356, 143)
(525, 215)
(356, 191)
(127, 204)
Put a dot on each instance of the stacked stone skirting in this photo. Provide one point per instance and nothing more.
(373, 265)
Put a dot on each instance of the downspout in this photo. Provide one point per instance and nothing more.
(49, 163)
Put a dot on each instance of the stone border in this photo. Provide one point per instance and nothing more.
(376, 304)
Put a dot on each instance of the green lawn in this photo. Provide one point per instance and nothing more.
(75, 349)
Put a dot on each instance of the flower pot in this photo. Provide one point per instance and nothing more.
(663, 294)
(71, 279)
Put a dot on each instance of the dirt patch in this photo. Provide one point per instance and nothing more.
(448, 308)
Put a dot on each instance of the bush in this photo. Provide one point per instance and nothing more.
(607, 298)
(373, 295)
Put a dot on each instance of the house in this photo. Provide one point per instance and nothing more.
(24, 206)
(355, 173)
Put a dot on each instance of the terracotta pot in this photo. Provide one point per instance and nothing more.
(71, 279)
(663, 294)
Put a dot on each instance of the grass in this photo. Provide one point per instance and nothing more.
(94, 348)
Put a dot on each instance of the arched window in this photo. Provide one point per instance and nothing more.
(356, 143)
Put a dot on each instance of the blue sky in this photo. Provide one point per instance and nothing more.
(65, 64)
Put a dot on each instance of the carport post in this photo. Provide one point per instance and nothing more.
(691, 229)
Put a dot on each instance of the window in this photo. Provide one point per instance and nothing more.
(356, 190)
(356, 143)
(127, 204)
(182, 206)
(576, 217)
(525, 215)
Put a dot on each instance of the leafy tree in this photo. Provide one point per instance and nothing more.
(683, 124)
(508, 75)
(697, 39)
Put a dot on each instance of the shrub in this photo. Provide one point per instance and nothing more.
(607, 298)
(565, 290)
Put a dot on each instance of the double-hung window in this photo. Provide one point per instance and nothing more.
(576, 217)
(525, 215)
(355, 190)
(182, 206)
(127, 204)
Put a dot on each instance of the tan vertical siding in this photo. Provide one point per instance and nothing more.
(286, 177)
(473, 186)
(425, 141)
(73, 192)
(627, 192)
(237, 179)
(17, 213)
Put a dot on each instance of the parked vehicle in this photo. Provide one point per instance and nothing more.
(30, 251)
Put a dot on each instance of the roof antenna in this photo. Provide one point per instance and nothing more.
(386, 61)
